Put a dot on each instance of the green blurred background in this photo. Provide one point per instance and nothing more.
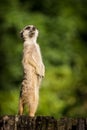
(63, 41)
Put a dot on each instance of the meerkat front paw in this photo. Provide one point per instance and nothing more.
(38, 71)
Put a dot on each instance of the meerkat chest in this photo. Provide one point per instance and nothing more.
(37, 54)
(25, 59)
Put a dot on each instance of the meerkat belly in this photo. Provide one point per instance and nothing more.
(29, 84)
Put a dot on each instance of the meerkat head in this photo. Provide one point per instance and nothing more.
(29, 31)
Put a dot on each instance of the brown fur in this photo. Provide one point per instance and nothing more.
(33, 72)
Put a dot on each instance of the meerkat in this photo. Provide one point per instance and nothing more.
(34, 71)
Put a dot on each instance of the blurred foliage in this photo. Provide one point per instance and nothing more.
(63, 42)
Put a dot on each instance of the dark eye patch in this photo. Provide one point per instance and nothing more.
(33, 28)
(27, 28)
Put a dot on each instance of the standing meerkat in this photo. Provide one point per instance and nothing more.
(34, 70)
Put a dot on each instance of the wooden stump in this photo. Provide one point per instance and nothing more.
(41, 123)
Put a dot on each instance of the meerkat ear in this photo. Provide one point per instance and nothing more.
(21, 33)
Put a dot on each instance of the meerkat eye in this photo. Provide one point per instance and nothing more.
(33, 28)
(27, 28)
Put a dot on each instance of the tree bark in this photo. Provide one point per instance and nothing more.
(41, 123)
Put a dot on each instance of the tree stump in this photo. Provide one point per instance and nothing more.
(41, 123)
